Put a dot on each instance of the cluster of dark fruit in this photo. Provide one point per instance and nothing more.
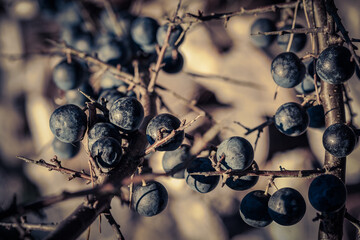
(286, 206)
(107, 140)
(118, 44)
(334, 66)
(258, 208)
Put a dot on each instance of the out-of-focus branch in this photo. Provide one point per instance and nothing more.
(242, 11)
(226, 79)
(115, 226)
(30, 226)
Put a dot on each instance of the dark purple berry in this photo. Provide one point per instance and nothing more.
(150, 200)
(254, 209)
(237, 153)
(299, 40)
(334, 65)
(174, 161)
(127, 113)
(286, 206)
(291, 119)
(327, 193)
(68, 123)
(107, 152)
(164, 124)
(262, 25)
(287, 70)
(200, 183)
(339, 140)
(244, 182)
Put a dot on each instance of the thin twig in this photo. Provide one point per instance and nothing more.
(352, 220)
(228, 15)
(47, 201)
(266, 173)
(159, 61)
(293, 27)
(268, 122)
(57, 167)
(226, 79)
(31, 226)
(115, 226)
(292, 31)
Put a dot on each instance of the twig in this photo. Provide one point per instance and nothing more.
(159, 61)
(225, 79)
(352, 220)
(293, 27)
(292, 31)
(190, 104)
(47, 201)
(268, 122)
(347, 102)
(57, 167)
(228, 15)
(31, 226)
(115, 226)
(63, 47)
(266, 173)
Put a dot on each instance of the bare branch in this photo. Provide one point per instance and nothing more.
(226, 79)
(352, 220)
(57, 167)
(266, 173)
(293, 31)
(228, 15)
(31, 226)
(115, 226)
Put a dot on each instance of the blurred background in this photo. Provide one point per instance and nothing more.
(28, 96)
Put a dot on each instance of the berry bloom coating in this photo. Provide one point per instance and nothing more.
(287, 70)
(291, 119)
(68, 76)
(327, 193)
(244, 182)
(200, 183)
(68, 123)
(127, 113)
(254, 209)
(334, 65)
(164, 124)
(102, 129)
(339, 140)
(238, 153)
(150, 200)
(286, 206)
(175, 160)
(65, 150)
(299, 40)
(107, 152)
(174, 35)
(262, 25)
(143, 30)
